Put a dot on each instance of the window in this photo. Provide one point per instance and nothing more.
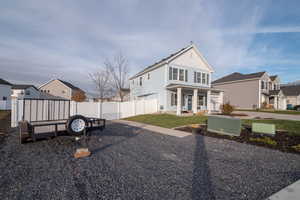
(181, 75)
(203, 78)
(170, 73)
(4, 98)
(48, 91)
(186, 75)
(207, 79)
(63, 91)
(175, 74)
(197, 77)
(132, 82)
(22, 92)
(148, 76)
(173, 99)
(27, 92)
(141, 81)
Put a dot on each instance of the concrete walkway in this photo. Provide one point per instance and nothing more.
(291, 192)
(269, 115)
(156, 129)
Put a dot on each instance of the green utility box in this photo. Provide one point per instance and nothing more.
(224, 125)
(264, 128)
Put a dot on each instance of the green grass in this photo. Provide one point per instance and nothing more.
(288, 112)
(167, 120)
(172, 121)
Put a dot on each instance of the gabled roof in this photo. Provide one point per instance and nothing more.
(69, 85)
(23, 87)
(238, 76)
(291, 90)
(273, 77)
(64, 82)
(171, 57)
(4, 82)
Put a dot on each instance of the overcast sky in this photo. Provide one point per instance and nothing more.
(41, 39)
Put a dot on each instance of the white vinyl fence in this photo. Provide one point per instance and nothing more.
(5, 105)
(114, 110)
(39, 110)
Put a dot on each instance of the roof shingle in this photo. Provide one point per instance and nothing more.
(4, 82)
(291, 90)
(238, 76)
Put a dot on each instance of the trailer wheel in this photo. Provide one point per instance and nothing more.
(76, 124)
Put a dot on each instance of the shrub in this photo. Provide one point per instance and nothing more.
(264, 105)
(227, 109)
(296, 147)
(265, 140)
(79, 96)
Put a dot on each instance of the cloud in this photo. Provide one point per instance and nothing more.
(67, 39)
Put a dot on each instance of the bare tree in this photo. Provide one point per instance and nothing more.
(119, 71)
(101, 79)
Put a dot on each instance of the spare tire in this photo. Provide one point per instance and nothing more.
(76, 124)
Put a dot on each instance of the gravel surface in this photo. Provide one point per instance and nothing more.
(130, 163)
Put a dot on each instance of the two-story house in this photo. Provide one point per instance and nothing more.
(25, 91)
(180, 82)
(5, 92)
(250, 91)
(60, 88)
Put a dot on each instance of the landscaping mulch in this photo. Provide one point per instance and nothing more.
(282, 140)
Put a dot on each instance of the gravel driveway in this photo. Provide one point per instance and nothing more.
(131, 163)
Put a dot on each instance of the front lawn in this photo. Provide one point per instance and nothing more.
(172, 121)
(167, 120)
(288, 112)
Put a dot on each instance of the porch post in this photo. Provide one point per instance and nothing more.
(208, 102)
(195, 101)
(178, 101)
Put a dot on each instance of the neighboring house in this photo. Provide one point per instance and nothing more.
(125, 93)
(180, 82)
(25, 91)
(5, 92)
(60, 88)
(292, 93)
(250, 91)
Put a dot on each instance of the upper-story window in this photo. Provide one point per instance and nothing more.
(178, 74)
(207, 79)
(148, 76)
(27, 92)
(203, 78)
(197, 77)
(181, 75)
(4, 98)
(264, 85)
(141, 81)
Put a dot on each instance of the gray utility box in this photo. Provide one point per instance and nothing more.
(264, 128)
(224, 125)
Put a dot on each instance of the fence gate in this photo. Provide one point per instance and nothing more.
(36, 110)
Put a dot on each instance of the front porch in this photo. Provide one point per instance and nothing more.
(189, 99)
